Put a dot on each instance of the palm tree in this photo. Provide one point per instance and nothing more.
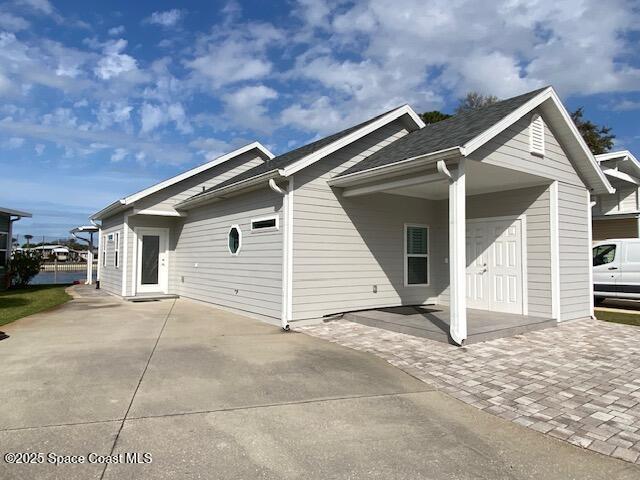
(28, 237)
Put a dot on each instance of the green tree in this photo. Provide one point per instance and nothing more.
(434, 116)
(473, 100)
(23, 266)
(598, 138)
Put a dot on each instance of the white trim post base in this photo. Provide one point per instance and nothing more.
(457, 255)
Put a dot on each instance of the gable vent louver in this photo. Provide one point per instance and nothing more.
(536, 135)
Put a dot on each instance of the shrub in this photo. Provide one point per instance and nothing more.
(23, 266)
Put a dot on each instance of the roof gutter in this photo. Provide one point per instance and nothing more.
(228, 190)
(115, 207)
(395, 168)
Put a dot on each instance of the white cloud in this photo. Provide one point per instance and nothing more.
(113, 113)
(119, 154)
(169, 18)
(114, 62)
(42, 6)
(39, 148)
(626, 105)
(318, 116)
(46, 63)
(418, 51)
(210, 148)
(116, 31)
(12, 22)
(13, 143)
(236, 55)
(154, 116)
(246, 107)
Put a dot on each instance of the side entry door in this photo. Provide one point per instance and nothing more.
(606, 268)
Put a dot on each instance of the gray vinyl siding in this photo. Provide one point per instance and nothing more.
(628, 198)
(607, 204)
(604, 229)
(110, 276)
(624, 200)
(250, 281)
(510, 149)
(165, 199)
(345, 246)
(575, 251)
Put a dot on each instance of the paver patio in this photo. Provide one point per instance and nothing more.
(579, 382)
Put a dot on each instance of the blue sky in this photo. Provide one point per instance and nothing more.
(101, 99)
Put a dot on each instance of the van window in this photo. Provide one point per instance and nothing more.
(633, 252)
(603, 254)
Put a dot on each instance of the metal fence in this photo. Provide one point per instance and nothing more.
(65, 266)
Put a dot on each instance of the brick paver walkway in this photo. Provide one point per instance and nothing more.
(579, 382)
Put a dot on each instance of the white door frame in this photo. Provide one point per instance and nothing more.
(523, 248)
(163, 273)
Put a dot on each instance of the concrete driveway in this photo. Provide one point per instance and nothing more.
(211, 394)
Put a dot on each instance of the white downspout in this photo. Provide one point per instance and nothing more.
(590, 205)
(457, 251)
(287, 250)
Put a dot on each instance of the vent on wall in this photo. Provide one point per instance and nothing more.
(536, 135)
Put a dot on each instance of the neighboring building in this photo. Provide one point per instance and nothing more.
(51, 253)
(617, 215)
(7, 217)
(489, 209)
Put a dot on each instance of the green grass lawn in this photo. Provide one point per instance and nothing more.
(619, 317)
(18, 303)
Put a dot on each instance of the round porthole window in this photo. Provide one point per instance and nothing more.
(235, 237)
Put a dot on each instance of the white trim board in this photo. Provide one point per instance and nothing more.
(183, 176)
(555, 251)
(125, 256)
(352, 137)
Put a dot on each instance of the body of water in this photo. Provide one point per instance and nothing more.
(60, 277)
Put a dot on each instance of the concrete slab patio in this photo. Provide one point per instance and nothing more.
(210, 394)
(432, 322)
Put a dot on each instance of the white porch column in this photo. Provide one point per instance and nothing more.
(100, 247)
(457, 255)
(89, 268)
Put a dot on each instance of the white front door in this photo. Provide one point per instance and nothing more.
(152, 262)
(477, 262)
(494, 265)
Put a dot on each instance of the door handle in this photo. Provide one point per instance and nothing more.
(613, 268)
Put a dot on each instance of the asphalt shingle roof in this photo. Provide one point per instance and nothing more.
(286, 159)
(449, 133)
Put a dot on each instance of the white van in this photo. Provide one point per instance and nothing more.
(616, 268)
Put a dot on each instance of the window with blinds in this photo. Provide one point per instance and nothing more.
(416, 255)
(536, 136)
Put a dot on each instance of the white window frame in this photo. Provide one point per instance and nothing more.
(237, 227)
(536, 122)
(6, 249)
(266, 229)
(116, 250)
(407, 255)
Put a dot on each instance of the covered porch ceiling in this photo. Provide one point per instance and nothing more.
(430, 184)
